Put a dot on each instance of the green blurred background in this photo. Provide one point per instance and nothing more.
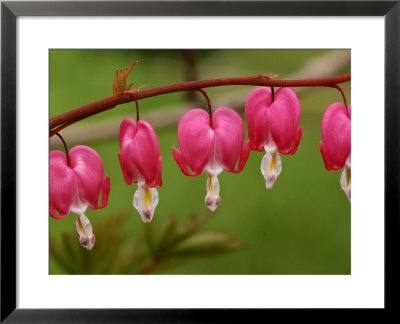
(301, 226)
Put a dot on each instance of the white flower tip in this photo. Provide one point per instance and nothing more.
(269, 183)
(145, 201)
(146, 216)
(212, 199)
(345, 181)
(212, 202)
(271, 166)
(84, 229)
(87, 242)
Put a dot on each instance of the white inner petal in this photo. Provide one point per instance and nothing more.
(212, 198)
(78, 207)
(145, 201)
(84, 229)
(345, 179)
(271, 165)
(213, 167)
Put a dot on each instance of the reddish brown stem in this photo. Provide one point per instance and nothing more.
(126, 96)
(137, 109)
(204, 93)
(272, 94)
(65, 148)
(342, 93)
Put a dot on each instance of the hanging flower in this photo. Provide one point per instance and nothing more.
(141, 163)
(336, 146)
(75, 185)
(272, 126)
(211, 145)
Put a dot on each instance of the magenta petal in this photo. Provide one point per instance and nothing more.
(145, 153)
(244, 155)
(88, 169)
(325, 156)
(53, 212)
(128, 167)
(159, 180)
(105, 192)
(62, 185)
(196, 141)
(229, 135)
(283, 118)
(130, 172)
(180, 160)
(139, 157)
(256, 108)
(336, 135)
(127, 133)
(296, 141)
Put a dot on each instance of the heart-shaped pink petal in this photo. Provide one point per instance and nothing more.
(336, 136)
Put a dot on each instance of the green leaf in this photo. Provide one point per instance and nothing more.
(207, 244)
(173, 235)
(168, 231)
(58, 253)
(150, 238)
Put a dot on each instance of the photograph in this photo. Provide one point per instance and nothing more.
(200, 161)
(191, 161)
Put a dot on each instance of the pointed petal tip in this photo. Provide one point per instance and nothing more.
(84, 229)
(146, 216)
(271, 166)
(243, 157)
(145, 201)
(87, 242)
(211, 203)
(345, 182)
(269, 183)
(325, 157)
(212, 208)
(212, 198)
(180, 160)
(53, 213)
(105, 191)
(296, 140)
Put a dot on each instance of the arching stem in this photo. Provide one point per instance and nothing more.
(137, 109)
(272, 94)
(104, 104)
(204, 93)
(71, 122)
(342, 93)
(65, 148)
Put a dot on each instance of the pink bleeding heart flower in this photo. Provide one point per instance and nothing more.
(272, 126)
(211, 145)
(336, 146)
(141, 163)
(75, 185)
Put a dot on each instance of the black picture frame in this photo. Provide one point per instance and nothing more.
(10, 10)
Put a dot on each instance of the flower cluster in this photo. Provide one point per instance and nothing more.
(209, 143)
